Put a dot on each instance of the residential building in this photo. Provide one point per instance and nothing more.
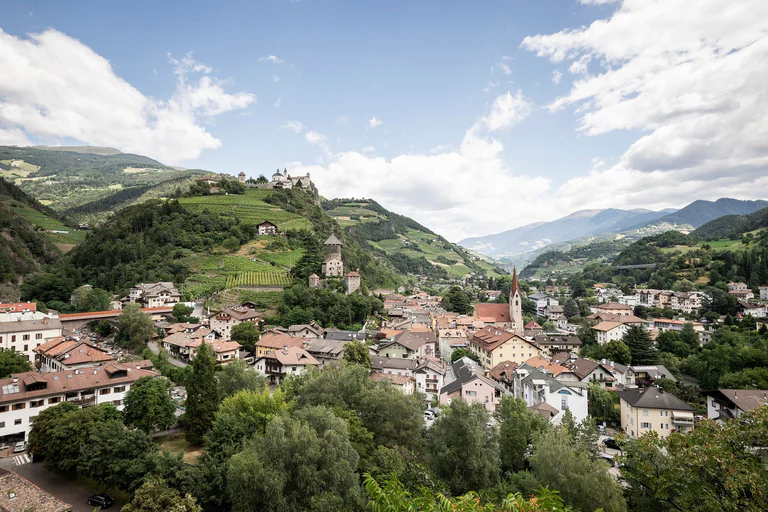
(412, 345)
(23, 332)
(742, 294)
(394, 365)
(451, 339)
(272, 341)
(155, 295)
(403, 383)
(430, 375)
(687, 302)
(551, 344)
(609, 331)
(532, 328)
(223, 321)
(338, 334)
(653, 410)
(503, 373)
(17, 494)
(561, 372)
(554, 313)
(65, 353)
(325, 351)
(538, 387)
(267, 228)
(752, 309)
(311, 330)
(18, 307)
(183, 339)
(726, 404)
(763, 292)
(471, 384)
(740, 286)
(614, 308)
(493, 346)
(281, 363)
(24, 395)
(542, 301)
(589, 371)
(647, 375)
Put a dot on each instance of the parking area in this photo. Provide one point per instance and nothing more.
(611, 452)
(57, 485)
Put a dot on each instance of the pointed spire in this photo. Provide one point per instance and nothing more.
(515, 285)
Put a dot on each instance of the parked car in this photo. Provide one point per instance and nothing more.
(608, 458)
(101, 500)
(611, 443)
(429, 415)
(20, 447)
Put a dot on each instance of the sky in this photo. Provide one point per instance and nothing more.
(471, 117)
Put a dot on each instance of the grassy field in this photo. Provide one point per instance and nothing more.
(265, 279)
(249, 207)
(723, 244)
(48, 224)
(175, 443)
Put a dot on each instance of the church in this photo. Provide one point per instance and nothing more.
(333, 267)
(508, 316)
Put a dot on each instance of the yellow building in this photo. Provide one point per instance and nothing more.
(493, 345)
(651, 409)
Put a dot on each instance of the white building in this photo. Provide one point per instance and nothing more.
(726, 404)
(763, 292)
(279, 364)
(24, 332)
(155, 295)
(430, 376)
(549, 396)
(23, 396)
(609, 331)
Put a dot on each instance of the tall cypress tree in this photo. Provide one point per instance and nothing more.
(202, 396)
(640, 346)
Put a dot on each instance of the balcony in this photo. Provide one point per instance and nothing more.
(84, 401)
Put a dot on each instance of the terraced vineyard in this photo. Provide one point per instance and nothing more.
(258, 280)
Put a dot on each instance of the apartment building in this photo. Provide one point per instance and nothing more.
(23, 332)
(651, 409)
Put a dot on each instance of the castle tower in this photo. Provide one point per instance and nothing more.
(352, 281)
(332, 264)
(241, 177)
(314, 281)
(516, 305)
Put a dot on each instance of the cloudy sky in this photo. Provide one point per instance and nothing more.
(471, 117)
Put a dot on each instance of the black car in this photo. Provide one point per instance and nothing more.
(611, 443)
(101, 500)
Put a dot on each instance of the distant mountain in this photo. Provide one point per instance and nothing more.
(728, 225)
(579, 224)
(700, 212)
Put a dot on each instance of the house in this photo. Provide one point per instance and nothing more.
(24, 395)
(740, 287)
(155, 295)
(430, 375)
(503, 373)
(553, 368)
(18, 307)
(493, 294)
(17, 494)
(23, 332)
(621, 319)
(451, 339)
(492, 346)
(647, 375)
(667, 324)
(613, 308)
(223, 321)
(538, 387)
(324, 350)
(405, 384)
(532, 328)
(550, 344)
(311, 330)
(763, 292)
(542, 301)
(609, 331)
(412, 345)
(338, 334)
(752, 309)
(589, 371)
(272, 341)
(554, 313)
(742, 294)
(65, 353)
(281, 363)
(726, 404)
(182, 344)
(224, 351)
(687, 302)
(267, 228)
(653, 410)
(394, 366)
(471, 384)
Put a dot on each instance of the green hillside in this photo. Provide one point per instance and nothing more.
(733, 225)
(87, 184)
(407, 245)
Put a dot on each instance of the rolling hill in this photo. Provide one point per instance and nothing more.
(700, 212)
(733, 225)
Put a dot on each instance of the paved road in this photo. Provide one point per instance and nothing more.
(59, 486)
(154, 347)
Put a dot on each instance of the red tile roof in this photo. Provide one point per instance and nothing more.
(499, 312)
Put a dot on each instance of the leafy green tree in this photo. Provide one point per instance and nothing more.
(456, 300)
(237, 376)
(134, 328)
(517, 428)
(617, 351)
(356, 352)
(462, 449)
(202, 396)
(155, 496)
(13, 362)
(241, 415)
(231, 244)
(752, 378)
(463, 352)
(247, 334)
(560, 462)
(182, 313)
(92, 299)
(603, 403)
(405, 465)
(690, 337)
(571, 308)
(148, 405)
(640, 345)
(300, 461)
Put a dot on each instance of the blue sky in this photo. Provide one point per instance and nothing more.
(429, 71)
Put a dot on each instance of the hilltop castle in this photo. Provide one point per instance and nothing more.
(333, 266)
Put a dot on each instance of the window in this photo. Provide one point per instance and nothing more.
(564, 404)
(26, 347)
(2, 424)
(13, 338)
(39, 336)
(17, 422)
(54, 400)
(645, 425)
(36, 403)
(19, 406)
(3, 408)
(471, 393)
(645, 412)
(104, 391)
(119, 389)
(117, 402)
(25, 337)
(32, 419)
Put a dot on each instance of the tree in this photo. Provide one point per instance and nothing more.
(134, 328)
(462, 449)
(456, 300)
(202, 396)
(690, 337)
(617, 351)
(302, 462)
(182, 313)
(561, 462)
(640, 312)
(155, 496)
(231, 244)
(13, 362)
(571, 308)
(752, 378)
(237, 376)
(356, 352)
(602, 403)
(463, 352)
(247, 334)
(403, 464)
(148, 405)
(517, 428)
(640, 345)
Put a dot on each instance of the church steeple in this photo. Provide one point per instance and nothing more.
(516, 305)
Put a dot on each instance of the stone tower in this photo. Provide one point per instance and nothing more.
(352, 281)
(241, 177)
(516, 305)
(332, 264)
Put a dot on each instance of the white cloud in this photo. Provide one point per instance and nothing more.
(294, 126)
(598, 2)
(690, 79)
(53, 87)
(443, 189)
(373, 122)
(507, 110)
(556, 76)
(318, 139)
(503, 68)
(278, 102)
(271, 59)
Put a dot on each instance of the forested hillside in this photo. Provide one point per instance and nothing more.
(733, 225)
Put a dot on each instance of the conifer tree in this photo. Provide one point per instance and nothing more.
(202, 396)
(640, 346)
